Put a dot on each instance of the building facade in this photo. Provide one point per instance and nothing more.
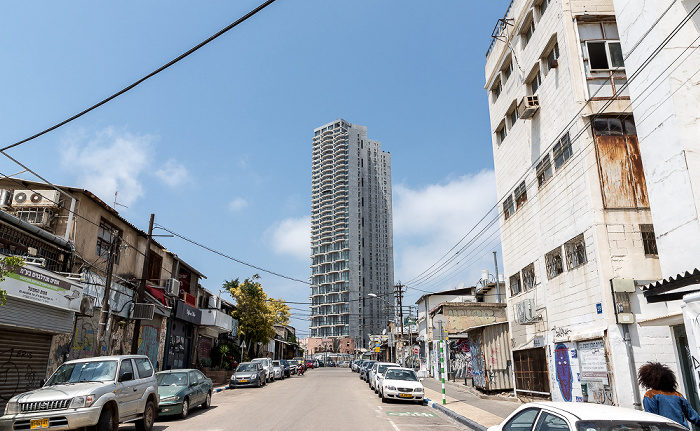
(351, 234)
(576, 226)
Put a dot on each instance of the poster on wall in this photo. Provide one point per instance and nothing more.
(564, 372)
(591, 356)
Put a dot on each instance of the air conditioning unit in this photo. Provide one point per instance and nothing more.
(172, 287)
(525, 312)
(39, 198)
(214, 302)
(5, 198)
(86, 306)
(528, 106)
(142, 311)
(553, 63)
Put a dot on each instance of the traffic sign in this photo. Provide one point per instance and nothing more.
(416, 349)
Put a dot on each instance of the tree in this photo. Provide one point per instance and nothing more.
(8, 264)
(255, 312)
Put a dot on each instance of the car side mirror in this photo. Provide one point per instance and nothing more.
(126, 376)
(193, 384)
(42, 382)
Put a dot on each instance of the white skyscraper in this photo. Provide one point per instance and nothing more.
(351, 234)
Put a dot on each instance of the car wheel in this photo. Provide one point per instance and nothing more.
(185, 408)
(207, 401)
(106, 421)
(384, 400)
(149, 416)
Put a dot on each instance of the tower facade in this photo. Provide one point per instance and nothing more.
(351, 234)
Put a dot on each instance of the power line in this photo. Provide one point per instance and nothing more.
(155, 72)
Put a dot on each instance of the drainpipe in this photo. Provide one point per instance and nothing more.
(633, 372)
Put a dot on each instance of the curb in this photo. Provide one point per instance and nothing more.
(459, 418)
(476, 393)
(221, 389)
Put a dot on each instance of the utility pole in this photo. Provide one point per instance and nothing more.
(399, 289)
(498, 283)
(141, 292)
(104, 311)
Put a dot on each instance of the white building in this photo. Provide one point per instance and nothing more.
(351, 234)
(576, 228)
(660, 41)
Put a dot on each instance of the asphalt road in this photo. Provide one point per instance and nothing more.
(325, 398)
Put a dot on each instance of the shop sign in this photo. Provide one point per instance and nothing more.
(591, 356)
(39, 285)
(188, 313)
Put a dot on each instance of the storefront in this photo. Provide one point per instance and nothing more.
(40, 304)
(181, 335)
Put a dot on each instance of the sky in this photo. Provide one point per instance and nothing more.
(218, 146)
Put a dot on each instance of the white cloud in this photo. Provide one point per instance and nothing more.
(237, 204)
(173, 173)
(291, 237)
(430, 220)
(109, 161)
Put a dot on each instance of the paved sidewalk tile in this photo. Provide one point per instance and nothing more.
(476, 414)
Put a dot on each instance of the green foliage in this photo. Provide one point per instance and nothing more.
(8, 264)
(255, 312)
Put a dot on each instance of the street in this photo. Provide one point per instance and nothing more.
(324, 398)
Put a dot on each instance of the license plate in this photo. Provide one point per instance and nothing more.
(39, 423)
(243, 381)
(405, 396)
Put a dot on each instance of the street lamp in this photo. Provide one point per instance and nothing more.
(374, 295)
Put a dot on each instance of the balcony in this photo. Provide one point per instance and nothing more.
(215, 322)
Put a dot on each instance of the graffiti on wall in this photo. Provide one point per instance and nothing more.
(84, 339)
(562, 365)
(14, 377)
(477, 356)
(148, 342)
(460, 319)
(460, 359)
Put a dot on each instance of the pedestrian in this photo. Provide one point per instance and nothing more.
(662, 398)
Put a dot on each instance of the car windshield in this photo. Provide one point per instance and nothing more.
(402, 375)
(276, 364)
(602, 425)
(93, 371)
(172, 379)
(246, 368)
(382, 368)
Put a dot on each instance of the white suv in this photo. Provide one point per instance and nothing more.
(267, 366)
(99, 392)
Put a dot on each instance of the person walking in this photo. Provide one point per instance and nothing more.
(662, 397)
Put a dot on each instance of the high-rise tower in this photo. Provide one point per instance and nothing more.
(351, 234)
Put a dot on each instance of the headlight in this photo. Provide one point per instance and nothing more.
(12, 408)
(418, 390)
(82, 401)
(171, 398)
(391, 388)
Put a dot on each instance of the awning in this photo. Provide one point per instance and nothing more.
(665, 320)
(673, 288)
(480, 326)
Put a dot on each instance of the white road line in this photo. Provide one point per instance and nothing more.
(379, 407)
(394, 425)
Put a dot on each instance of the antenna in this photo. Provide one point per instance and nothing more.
(117, 203)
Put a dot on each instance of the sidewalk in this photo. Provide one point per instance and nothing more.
(465, 407)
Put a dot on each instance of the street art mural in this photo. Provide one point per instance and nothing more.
(477, 357)
(460, 358)
(562, 365)
(148, 343)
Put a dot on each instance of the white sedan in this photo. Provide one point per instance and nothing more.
(560, 416)
(401, 384)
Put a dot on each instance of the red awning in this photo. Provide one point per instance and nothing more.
(158, 293)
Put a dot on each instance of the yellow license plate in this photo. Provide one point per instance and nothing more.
(405, 396)
(39, 423)
(243, 381)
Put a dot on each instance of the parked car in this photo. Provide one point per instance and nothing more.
(309, 364)
(401, 384)
(376, 374)
(292, 363)
(278, 369)
(93, 392)
(180, 390)
(560, 416)
(286, 367)
(248, 374)
(365, 370)
(267, 366)
(355, 365)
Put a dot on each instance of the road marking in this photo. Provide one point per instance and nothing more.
(412, 414)
(394, 425)
(380, 407)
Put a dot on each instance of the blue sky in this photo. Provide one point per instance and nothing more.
(219, 145)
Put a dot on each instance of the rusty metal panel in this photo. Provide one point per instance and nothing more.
(497, 360)
(615, 172)
(640, 184)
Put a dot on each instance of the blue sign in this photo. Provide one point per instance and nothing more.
(599, 308)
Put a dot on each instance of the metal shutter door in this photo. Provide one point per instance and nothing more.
(24, 357)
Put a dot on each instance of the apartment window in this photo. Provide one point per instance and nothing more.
(496, 90)
(544, 171)
(508, 207)
(562, 151)
(575, 252)
(649, 240)
(529, 277)
(106, 233)
(528, 31)
(515, 284)
(605, 55)
(535, 82)
(507, 71)
(603, 58)
(513, 116)
(552, 59)
(543, 7)
(502, 133)
(520, 195)
(554, 263)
